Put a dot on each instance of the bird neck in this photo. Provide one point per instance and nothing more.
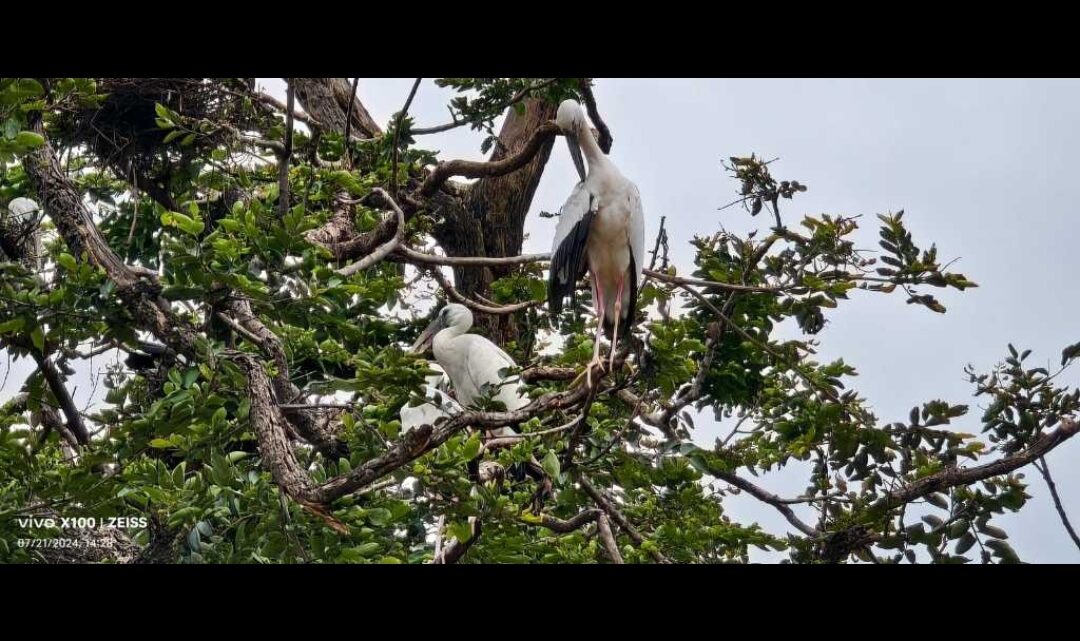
(447, 334)
(591, 149)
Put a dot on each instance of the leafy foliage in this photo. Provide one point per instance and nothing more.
(177, 441)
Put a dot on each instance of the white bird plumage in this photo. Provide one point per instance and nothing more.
(474, 364)
(602, 228)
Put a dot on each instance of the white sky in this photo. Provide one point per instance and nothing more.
(984, 168)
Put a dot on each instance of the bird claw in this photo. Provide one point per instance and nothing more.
(587, 374)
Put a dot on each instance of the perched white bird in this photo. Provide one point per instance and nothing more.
(476, 367)
(474, 364)
(601, 228)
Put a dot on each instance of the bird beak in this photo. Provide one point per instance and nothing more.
(575, 153)
(424, 341)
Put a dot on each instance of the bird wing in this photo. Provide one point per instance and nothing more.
(568, 258)
(486, 364)
(637, 231)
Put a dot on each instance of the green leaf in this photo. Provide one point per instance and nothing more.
(160, 443)
(460, 530)
(965, 543)
(472, 447)
(367, 549)
(29, 139)
(551, 464)
(67, 261)
(13, 325)
(38, 338)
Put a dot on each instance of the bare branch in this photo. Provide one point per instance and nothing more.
(607, 506)
(954, 476)
(475, 169)
(1044, 469)
(729, 287)
(608, 539)
(605, 139)
(457, 297)
(520, 95)
(386, 248)
(765, 496)
(397, 132)
(63, 397)
(280, 106)
(424, 258)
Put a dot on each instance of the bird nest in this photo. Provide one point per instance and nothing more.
(123, 131)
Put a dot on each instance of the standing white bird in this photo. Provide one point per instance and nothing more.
(602, 228)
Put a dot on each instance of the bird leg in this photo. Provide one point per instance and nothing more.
(598, 302)
(615, 333)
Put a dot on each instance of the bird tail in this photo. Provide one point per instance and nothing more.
(568, 264)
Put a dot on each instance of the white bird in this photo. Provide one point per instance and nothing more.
(601, 228)
(476, 367)
(474, 364)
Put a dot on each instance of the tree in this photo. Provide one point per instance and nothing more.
(259, 266)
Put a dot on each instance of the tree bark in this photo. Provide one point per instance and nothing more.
(491, 221)
(327, 101)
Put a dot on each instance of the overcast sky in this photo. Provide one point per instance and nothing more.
(984, 168)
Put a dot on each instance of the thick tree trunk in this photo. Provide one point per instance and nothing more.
(327, 101)
(491, 221)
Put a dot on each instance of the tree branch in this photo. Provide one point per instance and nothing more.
(63, 397)
(424, 258)
(474, 169)
(617, 516)
(954, 476)
(386, 248)
(1044, 469)
(608, 539)
(457, 297)
(765, 496)
(605, 139)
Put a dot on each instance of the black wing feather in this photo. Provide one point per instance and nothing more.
(569, 263)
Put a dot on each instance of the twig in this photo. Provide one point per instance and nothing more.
(617, 516)
(729, 287)
(286, 154)
(1045, 471)
(423, 131)
(397, 133)
(425, 258)
(458, 297)
(767, 497)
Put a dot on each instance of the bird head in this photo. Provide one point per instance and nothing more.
(452, 315)
(572, 123)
